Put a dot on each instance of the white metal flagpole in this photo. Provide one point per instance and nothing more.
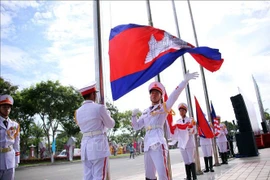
(204, 86)
(187, 89)
(98, 60)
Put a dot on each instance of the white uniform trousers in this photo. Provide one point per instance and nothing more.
(207, 150)
(188, 155)
(7, 174)
(155, 159)
(222, 147)
(95, 169)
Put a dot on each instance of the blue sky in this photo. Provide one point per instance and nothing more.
(53, 40)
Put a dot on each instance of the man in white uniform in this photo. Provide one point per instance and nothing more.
(9, 140)
(153, 119)
(184, 133)
(206, 145)
(93, 119)
(221, 140)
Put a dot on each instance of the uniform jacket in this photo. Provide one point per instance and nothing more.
(223, 132)
(9, 137)
(94, 117)
(185, 137)
(156, 116)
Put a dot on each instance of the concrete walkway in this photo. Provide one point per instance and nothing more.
(249, 168)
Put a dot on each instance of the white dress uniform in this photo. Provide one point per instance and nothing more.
(186, 142)
(93, 120)
(9, 144)
(221, 140)
(189, 149)
(206, 145)
(155, 145)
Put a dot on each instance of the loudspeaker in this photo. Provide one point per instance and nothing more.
(241, 113)
(246, 144)
(264, 126)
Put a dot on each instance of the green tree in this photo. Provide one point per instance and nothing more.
(116, 115)
(6, 87)
(23, 114)
(54, 104)
(37, 135)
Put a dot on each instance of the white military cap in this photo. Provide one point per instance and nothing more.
(157, 86)
(88, 89)
(183, 106)
(6, 99)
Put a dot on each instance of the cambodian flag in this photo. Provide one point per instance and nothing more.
(138, 53)
(204, 128)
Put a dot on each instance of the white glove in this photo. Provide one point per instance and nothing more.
(135, 112)
(189, 76)
(109, 113)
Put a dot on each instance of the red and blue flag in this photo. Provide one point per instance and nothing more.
(204, 128)
(138, 53)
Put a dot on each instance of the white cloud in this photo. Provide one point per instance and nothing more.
(239, 29)
(42, 18)
(9, 11)
(18, 5)
(15, 58)
(71, 35)
(5, 19)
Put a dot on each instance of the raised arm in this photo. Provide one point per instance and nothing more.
(175, 94)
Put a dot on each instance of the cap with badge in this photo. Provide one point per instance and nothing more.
(157, 86)
(6, 99)
(183, 106)
(88, 89)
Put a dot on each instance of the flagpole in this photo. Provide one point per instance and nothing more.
(98, 60)
(187, 89)
(150, 23)
(204, 86)
(98, 50)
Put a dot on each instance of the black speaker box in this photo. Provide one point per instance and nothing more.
(264, 127)
(246, 144)
(241, 113)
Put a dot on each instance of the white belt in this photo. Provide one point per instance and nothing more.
(93, 133)
(5, 150)
(148, 128)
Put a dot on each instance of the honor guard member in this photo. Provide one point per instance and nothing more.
(221, 140)
(9, 140)
(153, 119)
(206, 145)
(93, 120)
(184, 133)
